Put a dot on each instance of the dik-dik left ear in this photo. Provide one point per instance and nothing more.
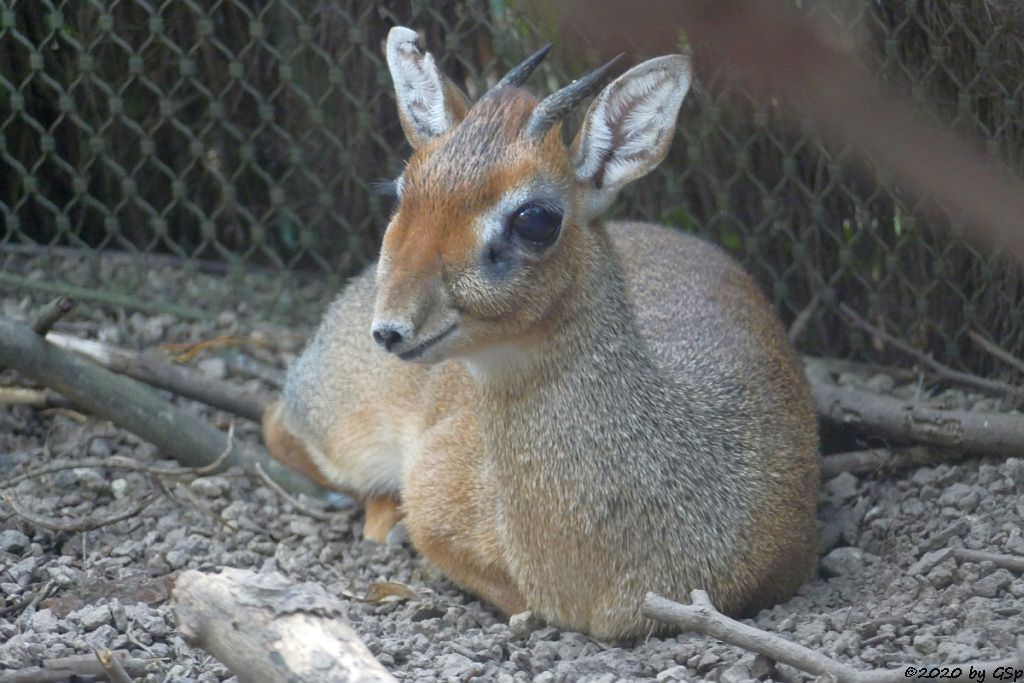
(628, 128)
(429, 104)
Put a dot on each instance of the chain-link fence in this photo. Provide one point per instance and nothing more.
(243, 136)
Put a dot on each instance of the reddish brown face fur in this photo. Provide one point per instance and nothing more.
(437, 266)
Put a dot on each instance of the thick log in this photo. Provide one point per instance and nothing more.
(137, 408)
(903, 421)
(264, 627)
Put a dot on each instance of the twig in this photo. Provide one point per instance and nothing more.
(29, 600)
(133, 406)
(60, 669)
(1012, 562)
(887, 459)
(83, 524)
(34, 398)
(251, 368)
(217, 464)
(938, 368)
(51, 313)
(305, 509)
(112, 666)
(996, 351)
(702, 617)
(901, 421)
(803, 318)
(123, 462)
(177, 379)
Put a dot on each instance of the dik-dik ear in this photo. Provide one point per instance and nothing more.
(628, 128)
(429, 104)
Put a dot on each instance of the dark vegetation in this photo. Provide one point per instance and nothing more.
(250, 132)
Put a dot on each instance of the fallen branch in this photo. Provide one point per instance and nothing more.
(165, 375)
(702, 617)
(318, 515)
(1012, 562)
(30, 600)
(133, 406)
(34, 398)
(996, 351)
(890, 418)
(51, 313)
(938, 368)
(264, 627)
(81, 524)
(883, 459)
(122, 462)
(83, 666)
(251, 368)
(112, 666)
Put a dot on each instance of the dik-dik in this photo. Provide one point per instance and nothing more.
(571, 412)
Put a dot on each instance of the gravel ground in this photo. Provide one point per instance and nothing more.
(888, 592)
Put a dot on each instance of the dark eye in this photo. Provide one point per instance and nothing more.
(536, 223)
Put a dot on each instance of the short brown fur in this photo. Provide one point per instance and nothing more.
(621, 413)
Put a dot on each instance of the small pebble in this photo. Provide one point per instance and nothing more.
(523, 624)
(843, 561)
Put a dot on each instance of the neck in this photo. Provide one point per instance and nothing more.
(591, 364)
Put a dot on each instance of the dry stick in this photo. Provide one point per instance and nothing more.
(34, 398)
(29, 600)
(939, 369)
(60, 669)
(133, 406)
(82, 524)
(901, 421)
(996, 351)
(318, 515)
(165, 375)
(885, 459)
(112, 666)
(702, 617)
(51, 313)
(1012, 562)
(264, 627)
(251, 368)
(123, 462)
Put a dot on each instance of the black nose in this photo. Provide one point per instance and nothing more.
(387, 337)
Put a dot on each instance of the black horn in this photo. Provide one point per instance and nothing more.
(518, 75)
(555, 106)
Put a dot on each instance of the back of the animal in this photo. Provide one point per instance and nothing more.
(706, 319)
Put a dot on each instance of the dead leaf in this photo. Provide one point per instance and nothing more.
(389, 591)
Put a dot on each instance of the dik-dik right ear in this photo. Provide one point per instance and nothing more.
(628, 128)
(429, 104)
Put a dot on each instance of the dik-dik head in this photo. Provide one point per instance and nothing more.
(494, 217)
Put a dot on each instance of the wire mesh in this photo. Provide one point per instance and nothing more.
(242, 138)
